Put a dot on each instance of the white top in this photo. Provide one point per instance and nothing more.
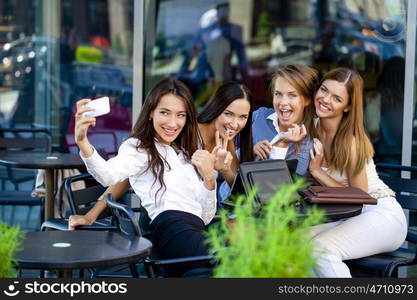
(276, 152)
(376, 187)
(185, 191)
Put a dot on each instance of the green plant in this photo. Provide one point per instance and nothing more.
(264, 28)
(273, 242)
(10, 241)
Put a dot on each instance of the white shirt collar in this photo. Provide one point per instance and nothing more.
(274, 118)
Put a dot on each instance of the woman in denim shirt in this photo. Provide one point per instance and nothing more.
(283, 132)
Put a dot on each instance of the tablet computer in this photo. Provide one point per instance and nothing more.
(268, 183)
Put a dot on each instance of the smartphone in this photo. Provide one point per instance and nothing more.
(278, 137)
(101, 107)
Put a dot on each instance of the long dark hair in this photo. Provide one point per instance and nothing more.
(224, 95)
(188, 139)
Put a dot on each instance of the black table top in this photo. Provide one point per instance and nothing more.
(334, 212)
(79, 249)
(40, 160)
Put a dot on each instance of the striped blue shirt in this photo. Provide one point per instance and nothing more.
(265, 127)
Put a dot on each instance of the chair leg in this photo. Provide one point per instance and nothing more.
(149, 271)
(42, 211)
(28, 214)
(12, 215)
(3, 213)
(391, 271)
(93, 273)
(133, 270)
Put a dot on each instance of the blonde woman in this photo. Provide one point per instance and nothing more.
(343, 157)
(293, 88)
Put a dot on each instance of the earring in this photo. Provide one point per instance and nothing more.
(150, 119)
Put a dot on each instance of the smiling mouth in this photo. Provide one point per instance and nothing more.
(169, 132)
(229, 131)
(323, 108)
(285, 114)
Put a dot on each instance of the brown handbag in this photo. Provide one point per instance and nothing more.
(337, 195)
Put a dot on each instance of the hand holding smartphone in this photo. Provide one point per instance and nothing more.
(278, 137)
(101, 107)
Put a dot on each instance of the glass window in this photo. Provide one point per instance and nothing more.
(414, 142)
(56, 52)
(205, 43)
(53, 53)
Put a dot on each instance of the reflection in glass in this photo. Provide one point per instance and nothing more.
(56, 52)
(52, 53)
(205, 43)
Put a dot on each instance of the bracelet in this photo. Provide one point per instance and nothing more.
(382, 193)
(101, 198)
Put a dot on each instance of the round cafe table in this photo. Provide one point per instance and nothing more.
(68, 250)
(333, 212)
(46, 161)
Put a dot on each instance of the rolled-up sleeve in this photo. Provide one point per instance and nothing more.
(208, 203)
(303, 157)
(128, 162)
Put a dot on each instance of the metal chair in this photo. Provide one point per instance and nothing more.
(16, 139)
(13, 139)
(127, 222)
(79, 203)
(387, 264)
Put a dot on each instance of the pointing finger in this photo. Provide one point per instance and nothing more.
(318, 152)
(218, 142)
(225, 140)
(311, 153)
(303, 130)
(81, 103)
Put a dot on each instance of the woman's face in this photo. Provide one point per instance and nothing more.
(233, 119)
(331, 100)
(169, 118)
(288, 103)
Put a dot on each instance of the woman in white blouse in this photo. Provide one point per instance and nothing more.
(174, 179)
(224, 121)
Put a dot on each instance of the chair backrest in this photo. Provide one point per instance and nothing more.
(125, 218)
(81, 201)
(405, 189)
(16, 141)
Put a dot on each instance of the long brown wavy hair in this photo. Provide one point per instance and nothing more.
(187, 141)
(351, 125)
(306, 81)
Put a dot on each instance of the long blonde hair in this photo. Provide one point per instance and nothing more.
(351, 125)
(305, 80)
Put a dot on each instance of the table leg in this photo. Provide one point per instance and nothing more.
(50, 195)
(58, 274)
(65, 274)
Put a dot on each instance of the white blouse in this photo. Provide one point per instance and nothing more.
(185, 191)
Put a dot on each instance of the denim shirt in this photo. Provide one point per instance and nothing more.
(223, 188)
(263, 128)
